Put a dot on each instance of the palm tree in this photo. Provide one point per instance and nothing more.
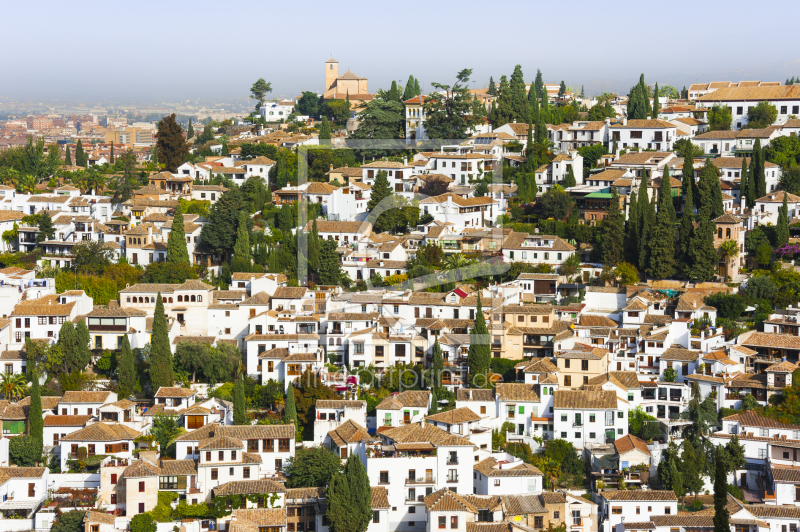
(455, 261)
(95, 181)
(26, 184)
(13, 386)
(728, 250)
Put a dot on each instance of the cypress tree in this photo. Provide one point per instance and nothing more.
(190, 130)
(290, 410)
(160, 352)
(242, 258)
(35, 413)
(408, 92)
(648, 219)
(686, 227)
(154, 156)
(239, 403)
(47, 230)
(479, 354)
(782, 229)
(654, 115)
(437, 364)
(502, 108)
(613, 228)
(80, 156)
(744, 185)
(721, 514)
(710, 190)
(126, 371)
(533, 104)
(583, 94)
(492, 91)
(540, 132)
(760, 177)
(530, 159)
(645, 96)
(360, 491)
(417, 90)
(82, 339)
(702, 256)
(632, 231)
(325, 130)
(661, 246)
(519, 100)
(569, 179)
(313, 248)
(687, 186)
(67, 157)
(111, 154)
(539, 84)
(176, 241)
(393, 95)
(544, 108)
(434, 409)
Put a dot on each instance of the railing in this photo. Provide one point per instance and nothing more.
(118, 328)
(421, 480)
(452, 479)
(452, 461)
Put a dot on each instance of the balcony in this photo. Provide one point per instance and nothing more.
(421, 480)
(452, 461)
(108, 328)
(452, 480)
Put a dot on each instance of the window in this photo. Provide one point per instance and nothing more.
(637, 510)
(538, 521)
(141, 507)
(384, 477)
(246, 472)
(584, 365)
(567, 380)
(442, 521)
(454, 521)
(208, 456)
(113, 478)
(483, 410)
(141, 487)
(616, 510)
(376, 517)
(214, 473)
(667, 510)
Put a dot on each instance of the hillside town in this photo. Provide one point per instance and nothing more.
(516, 308)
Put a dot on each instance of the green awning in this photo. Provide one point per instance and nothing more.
(599, 195)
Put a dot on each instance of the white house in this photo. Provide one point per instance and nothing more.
(655, 135)
(585, 417)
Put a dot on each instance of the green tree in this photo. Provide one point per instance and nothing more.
(381, 197)
(380, 120)
(125, 183)
(449, 108)
(47, 231)
(759, 176)
(313, 247)
(258, 92)
(492, 90)
(479, 354)
(569, 179)
(654, 114)
(721, 513)
(73, 522)
(24, 450)
(111, 154)
(761, 115)
(661, 245)
(165, 428)
(518, 98)
(82, 340)
(172, 147)
(647, 221)
(691, 468)
(289, 409)
(143, 523)
(782, 229)
(239, 403)
(312, 468)
(437, 364)
(330, 264)
(539, 83)
(36, 421)
(160, 352)
(325, 130)
(220, 233)
(126, 371)
(410, 91)
(613, 243)
(348, 498)
(308, 104)
(632, 230)
(80, 156)
(242, 258)
(719, 118)
(67, 157)
(190, 130)
(176, 242)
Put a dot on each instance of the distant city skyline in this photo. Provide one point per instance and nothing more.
(167, 51)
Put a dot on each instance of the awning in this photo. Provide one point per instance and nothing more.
(20, 505)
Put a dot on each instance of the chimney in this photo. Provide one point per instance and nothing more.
(405, 161)
(624, 120)
(741, 205)
(515, 120)
(608, 122)
(331, 168)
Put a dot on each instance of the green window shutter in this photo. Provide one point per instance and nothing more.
(521, 409)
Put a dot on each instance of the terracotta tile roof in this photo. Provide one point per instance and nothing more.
(627, 380)
(640, 495)
(66, 421)
(99, 517)
(103, 432)
(785, 341)
(455, 416)
(680, 354)
(419, 432)
(445, 500)
(516, 392)
(337, 403)
(85, 397)
(305, 493)
(764, 510)
(174, 391)
(380, 498)
(780, 92)
(749, 418)
(240, 432)
(552, 497)
(220, 442)
(629, 443)
(141, 468)
(786, 474)
(522, 504)
(540, 365)
(470, 394)
(249, 487)
(489, 467)
(248, 520)
(528, 309)
(644, 124)
(588, 320)
(414, 399)
(585, 399)
(349, 432)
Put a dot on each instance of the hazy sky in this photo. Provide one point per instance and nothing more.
(171, 50)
